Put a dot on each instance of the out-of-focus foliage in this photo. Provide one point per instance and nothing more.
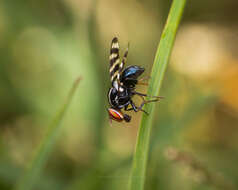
(46, 45)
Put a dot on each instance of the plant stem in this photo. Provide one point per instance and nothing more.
(137, 179)
(33, 172)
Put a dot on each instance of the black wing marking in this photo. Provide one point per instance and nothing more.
(123, 62)
(114, 59)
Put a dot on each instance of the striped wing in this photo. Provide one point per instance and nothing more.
(123, 61)
(114, 60)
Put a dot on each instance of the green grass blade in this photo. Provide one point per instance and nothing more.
(137, 179)
(42, 152)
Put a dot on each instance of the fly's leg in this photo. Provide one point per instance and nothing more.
(146, 102)
(141, 81)
(126, 108)
(157, 98)
(127, 118)
(134, 108)
(145, 95)
(144, 78)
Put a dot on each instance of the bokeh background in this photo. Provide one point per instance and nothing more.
(45, 45)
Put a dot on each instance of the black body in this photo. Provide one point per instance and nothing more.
(130, 74)
(124, 82)
(121, 98)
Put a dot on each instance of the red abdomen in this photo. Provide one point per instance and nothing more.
(115, 114)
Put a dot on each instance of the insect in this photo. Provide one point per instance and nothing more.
(123, 83)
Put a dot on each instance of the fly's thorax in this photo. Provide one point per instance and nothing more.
(130, 75)
(119, 98)
(132, 72)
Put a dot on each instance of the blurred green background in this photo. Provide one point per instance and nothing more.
(45, 45)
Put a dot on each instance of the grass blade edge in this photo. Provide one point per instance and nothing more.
(33, 171)
(137, 178)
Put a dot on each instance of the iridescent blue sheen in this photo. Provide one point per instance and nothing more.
(133, 72)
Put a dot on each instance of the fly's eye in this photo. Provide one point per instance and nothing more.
(115, 114)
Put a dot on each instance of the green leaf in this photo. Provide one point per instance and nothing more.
(137, 179)
(33, 172)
